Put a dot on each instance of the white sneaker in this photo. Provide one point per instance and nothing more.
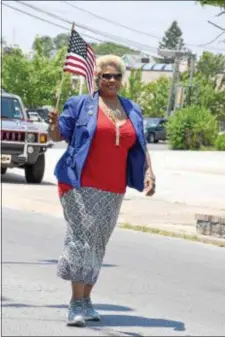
(75, 316)
(90, 314)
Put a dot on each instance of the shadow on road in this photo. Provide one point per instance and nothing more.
(138, 321)
(114, 320)
(100, 307)
(13, 178)
(49, 261)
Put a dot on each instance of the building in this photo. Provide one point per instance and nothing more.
(151, 70)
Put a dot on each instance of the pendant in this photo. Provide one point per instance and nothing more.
(117, 134)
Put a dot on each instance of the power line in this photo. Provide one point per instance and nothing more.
(47, 21)
(54, 24)
(83, 27)
(111, 21)
(129, 28)
(108, 35)
(34, 16)
(216, 38)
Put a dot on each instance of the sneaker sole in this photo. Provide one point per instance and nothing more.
(76, 323)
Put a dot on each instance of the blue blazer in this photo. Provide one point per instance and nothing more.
(77, 124)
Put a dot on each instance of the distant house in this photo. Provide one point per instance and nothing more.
(151, 71)
(131, 59)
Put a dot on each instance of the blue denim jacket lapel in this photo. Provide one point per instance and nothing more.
(89, 113)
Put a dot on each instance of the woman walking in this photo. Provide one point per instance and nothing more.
(106, 153)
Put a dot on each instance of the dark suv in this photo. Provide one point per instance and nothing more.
(154, 129)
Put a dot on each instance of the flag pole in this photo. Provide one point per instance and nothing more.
(62, 79)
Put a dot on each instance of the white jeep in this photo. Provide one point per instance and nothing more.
(23, 144)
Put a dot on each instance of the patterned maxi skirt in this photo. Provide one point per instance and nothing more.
(91, 216)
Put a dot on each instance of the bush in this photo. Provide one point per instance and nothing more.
(220, 142)
(191, 128)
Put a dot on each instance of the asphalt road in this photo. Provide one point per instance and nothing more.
(149, 285)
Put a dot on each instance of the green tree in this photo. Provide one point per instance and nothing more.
(47, 44)
(155, 97)
(211, 64)
(61, 40)
(46, 77)
(171, 40)
(111, 48)
(134, 88)
(16, 73)
(152, 97)
(216, 3)
(209, 83)
(36, 80)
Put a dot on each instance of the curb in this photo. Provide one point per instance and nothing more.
(175, 234)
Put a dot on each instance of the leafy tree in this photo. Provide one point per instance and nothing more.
(211, 64)
(134, 88)
(171, 40)
(216, 3)
(152, 97)
(209, 84)
(36, 80)
(61, 40)
(155, 97)
(111, 48)
(220, 142)
(15, 73)
(47, 44)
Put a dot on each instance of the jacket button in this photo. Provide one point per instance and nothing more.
(90, 112)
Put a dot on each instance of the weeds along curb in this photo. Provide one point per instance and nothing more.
(195, 238)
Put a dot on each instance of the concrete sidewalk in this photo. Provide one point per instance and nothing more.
(136, 210)
(187, 183)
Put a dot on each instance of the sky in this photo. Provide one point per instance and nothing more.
(152, 17)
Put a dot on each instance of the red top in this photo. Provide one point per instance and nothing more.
(105, 166)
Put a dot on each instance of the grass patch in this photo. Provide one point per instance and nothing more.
(152, 230)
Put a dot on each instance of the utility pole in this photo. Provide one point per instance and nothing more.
(170, 106)
(177, 54)
(192, 58)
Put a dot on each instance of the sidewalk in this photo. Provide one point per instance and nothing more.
(136, 210)
(187, 184)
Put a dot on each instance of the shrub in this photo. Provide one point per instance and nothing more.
(220, 142)
(191, 128)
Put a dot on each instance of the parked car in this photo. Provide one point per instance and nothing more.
(23, 144)
(42, 112)
(154, 129)
(37, 120)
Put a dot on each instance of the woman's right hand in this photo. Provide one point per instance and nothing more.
(53, 117)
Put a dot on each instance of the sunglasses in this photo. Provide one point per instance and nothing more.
(110, 76)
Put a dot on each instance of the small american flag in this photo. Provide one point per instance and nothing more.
(81, 59)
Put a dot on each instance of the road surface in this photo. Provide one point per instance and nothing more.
(149, 285)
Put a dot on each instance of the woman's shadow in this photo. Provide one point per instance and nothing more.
(117, 320)
(124, 320)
